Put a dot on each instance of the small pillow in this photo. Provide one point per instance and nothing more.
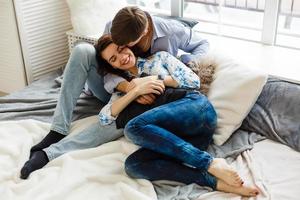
(233, 91)
(89, 17)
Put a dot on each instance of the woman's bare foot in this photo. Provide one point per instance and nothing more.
(220, 169)
(243, 190)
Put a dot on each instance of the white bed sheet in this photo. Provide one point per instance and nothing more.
(95, 173)
(98, 173)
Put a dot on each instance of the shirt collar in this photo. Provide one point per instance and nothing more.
(140, 64)
(140, 61)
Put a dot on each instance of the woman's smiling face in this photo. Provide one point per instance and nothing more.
(119, 57)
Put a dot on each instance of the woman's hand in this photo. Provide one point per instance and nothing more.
(150, 87)
(138, 81)
(146, 98)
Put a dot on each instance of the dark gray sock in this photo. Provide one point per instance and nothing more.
(51, 138)
(38, 160)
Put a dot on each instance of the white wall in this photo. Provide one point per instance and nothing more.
(12, 75)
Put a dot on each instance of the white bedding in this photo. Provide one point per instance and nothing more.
(95, 173)
(98, 173)
(274, 168)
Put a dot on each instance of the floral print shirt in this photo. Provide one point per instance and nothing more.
(160, 63)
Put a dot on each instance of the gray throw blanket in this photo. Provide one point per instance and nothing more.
(276, 113)
(275, 116)
(38, 101)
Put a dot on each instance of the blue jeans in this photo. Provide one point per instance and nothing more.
(81, 68)
(173, 138)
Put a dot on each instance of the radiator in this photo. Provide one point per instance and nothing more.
(42, 26)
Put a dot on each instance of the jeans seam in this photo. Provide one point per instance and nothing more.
(59, 130)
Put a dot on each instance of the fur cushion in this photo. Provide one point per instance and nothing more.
(205, 69)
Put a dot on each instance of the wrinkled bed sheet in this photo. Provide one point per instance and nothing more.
(280, 121)
(91, 174)
(272, 167)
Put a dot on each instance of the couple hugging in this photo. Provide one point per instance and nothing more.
(152, 97)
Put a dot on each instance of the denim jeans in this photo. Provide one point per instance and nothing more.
(173, 138)
(81, 68)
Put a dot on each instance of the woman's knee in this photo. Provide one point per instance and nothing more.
(206, 113)
(132, 128)
(211, 119)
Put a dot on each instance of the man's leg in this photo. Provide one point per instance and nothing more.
(81, 66)
(92, 136)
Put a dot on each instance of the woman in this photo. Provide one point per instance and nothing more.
(162, 131)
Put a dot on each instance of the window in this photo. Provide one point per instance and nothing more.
(288, 28)
(266, 21)
(154, 6)
(234, 18)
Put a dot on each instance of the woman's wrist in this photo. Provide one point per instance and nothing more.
(135, 92)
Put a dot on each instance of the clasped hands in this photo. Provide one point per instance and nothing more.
(146, 88)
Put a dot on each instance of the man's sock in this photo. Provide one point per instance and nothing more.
(38, 160)
(51, 138)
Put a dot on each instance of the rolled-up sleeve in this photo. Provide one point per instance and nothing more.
(172, 35)
(191, 42)
(105, 116)
(183, 75)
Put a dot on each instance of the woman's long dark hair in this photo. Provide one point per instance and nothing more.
(103, 66)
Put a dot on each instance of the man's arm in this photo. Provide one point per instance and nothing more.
(192, 43)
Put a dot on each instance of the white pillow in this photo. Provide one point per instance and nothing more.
(233, 92)
(90, 16)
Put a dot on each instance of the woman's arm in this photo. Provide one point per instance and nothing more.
(153, 87)
(117, 103)
(112, 82)
(179, 72)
